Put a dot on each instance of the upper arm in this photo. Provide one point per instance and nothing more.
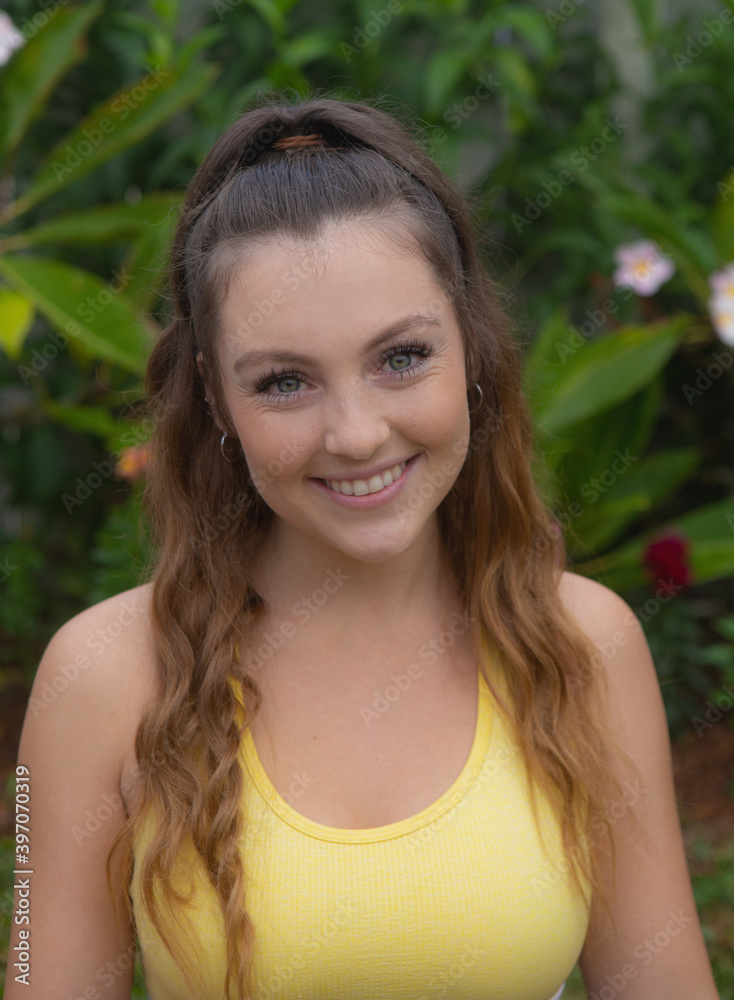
(657, 952)
(76, 731)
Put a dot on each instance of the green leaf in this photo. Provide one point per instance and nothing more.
(593, 443)
(32, 72)
(647, 14)
(723, 218)
(82, 306)
(201, 40)
(608, 370)
(547, 354)
(16, 319)
(442, 76)
(516, 80)
(644, 485)
(87, 419)
(712, 560)
(121, 121)
(708, 529)
(270, 13)
(146, 263)
(306, 48)
(107, 224)
(532, 25)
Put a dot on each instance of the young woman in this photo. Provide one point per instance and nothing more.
(360, 736)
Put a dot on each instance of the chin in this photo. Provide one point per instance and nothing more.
(376, 550)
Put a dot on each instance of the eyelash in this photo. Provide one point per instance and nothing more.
(424, 351)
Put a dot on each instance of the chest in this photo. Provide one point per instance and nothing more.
(354, 755)
(461, 901)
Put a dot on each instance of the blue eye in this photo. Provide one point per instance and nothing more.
(277, 378)
(400, 351)
(423, 351)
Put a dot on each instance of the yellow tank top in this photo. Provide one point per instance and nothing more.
(458, 901)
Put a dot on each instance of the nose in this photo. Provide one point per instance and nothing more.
(357, 424)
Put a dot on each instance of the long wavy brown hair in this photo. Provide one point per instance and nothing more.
(505, 550)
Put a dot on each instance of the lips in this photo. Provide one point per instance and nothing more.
(368, 500)
(361, 487)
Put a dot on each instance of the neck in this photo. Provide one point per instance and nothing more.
(303, 580)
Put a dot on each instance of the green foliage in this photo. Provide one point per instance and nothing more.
(533, 112)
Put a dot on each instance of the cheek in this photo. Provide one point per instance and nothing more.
(273, 454)
(441, 418)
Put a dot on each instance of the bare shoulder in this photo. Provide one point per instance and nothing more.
(650, 884)
(633, 700)
(101, 661)
(112, 633)
(599, 611)
(78, 738)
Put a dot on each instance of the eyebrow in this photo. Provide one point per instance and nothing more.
(402, 326)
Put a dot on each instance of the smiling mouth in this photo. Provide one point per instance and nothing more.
(361, 487)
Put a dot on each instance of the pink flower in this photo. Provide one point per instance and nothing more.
(721, 303)
(133, 462)
(10, 38)
(642, 266)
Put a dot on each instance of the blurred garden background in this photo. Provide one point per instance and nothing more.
(595, 139)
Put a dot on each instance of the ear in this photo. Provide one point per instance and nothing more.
(207, 390)
(200, 366)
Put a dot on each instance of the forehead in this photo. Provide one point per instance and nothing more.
(350, 282)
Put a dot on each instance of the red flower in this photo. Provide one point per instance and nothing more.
(666, 559)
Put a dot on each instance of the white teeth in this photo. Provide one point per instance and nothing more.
(361, 487)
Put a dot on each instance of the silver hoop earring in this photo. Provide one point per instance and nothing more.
(473, 408)
(221, 448)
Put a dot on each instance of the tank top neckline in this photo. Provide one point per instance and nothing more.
(363, 835)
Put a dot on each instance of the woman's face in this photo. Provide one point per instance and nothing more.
(341, 361)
